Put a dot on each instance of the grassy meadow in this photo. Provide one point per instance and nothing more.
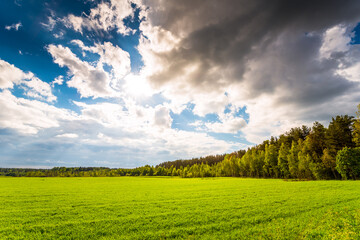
(164, 207)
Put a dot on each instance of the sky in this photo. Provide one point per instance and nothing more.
(120, 83)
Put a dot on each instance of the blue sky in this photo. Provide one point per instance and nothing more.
(127, 83)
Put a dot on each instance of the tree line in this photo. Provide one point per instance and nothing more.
(210, 160)
(303, 152)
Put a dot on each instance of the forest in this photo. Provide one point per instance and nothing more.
(312, 153)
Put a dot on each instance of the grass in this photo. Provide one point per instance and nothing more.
(162, 208)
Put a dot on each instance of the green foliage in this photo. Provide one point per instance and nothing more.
(329, 162)
(293, 160)
(211, 160)
(356, 133)
(339, 133)
(316, 138)
(283, 161)
(257, 163)
(348, 163)
(176, 208)
(271, 161)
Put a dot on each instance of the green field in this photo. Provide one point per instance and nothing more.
(162, 208)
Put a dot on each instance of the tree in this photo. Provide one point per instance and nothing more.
(256, 166)
(304, 166)
(329, 162)
(305, 160)
(230, 165)
(174, 172)
(293, 160)
(356, 132)
(245, 163)
(270, 166)
(348, 163)
(316, 140)
(151, 171)
(339, 133)
(283, 161)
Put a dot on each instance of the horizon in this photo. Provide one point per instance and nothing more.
(123, 84)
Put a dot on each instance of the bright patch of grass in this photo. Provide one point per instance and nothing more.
(161, 208)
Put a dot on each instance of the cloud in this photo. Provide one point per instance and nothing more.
(105, 16)
(284, 61)
(59, 80)
(111, 55)
(129, 125)
(229, 125)
(227, 122)
(90, 81)
(14, 26)
(162, 117)
(335, 40)
(111, 131)
(68, 135)
(28, 116)
(59, 35)
(10, 75)
(34, 87)
(51, 22)
(74, 22)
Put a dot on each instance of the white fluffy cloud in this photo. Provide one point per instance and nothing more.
(59, 80)
(230, 125)
(111, 55)
(34, 87)
(148, 129)
(10, 75)
(335, 40)
(29, 116)
(124, 125)
(227, 122)
(92, 80)
(105, 16)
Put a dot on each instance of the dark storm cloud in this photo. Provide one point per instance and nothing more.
(292, 64)
(283, 37)
(192, 15)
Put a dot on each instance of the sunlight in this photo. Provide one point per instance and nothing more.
(137, 86)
